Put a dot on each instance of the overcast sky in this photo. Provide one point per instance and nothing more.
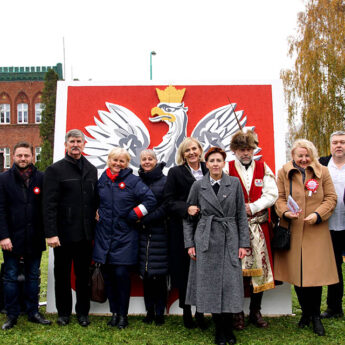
(111, 40)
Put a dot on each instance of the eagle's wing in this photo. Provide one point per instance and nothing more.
(217, 127)
(118, 127)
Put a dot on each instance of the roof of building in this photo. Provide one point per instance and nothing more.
(28, 73)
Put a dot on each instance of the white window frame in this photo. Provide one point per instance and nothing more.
(7, 157)
(38, 150)
(5, 113)
(38, 112)
(22, 113)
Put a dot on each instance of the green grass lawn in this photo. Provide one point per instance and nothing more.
(281, 330)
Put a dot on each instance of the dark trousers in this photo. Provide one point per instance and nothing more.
(255, 300)
(80, 253)
(336, 291)
(155, 293)
(309, 299)
(31, 285)
(118, 285)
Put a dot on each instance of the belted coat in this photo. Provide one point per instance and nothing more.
(310, 259)
(215, 283)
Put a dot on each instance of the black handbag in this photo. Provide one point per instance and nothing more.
(281, 235)
(97, 286)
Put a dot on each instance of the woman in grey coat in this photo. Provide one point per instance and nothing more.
(215, 283)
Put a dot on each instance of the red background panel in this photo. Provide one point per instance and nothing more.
(84, 102)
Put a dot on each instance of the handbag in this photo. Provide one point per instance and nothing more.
(97, 286)
(281, 235)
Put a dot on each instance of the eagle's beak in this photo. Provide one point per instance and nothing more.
(160, 115)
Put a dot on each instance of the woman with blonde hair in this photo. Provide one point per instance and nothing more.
(124, 199)
(309, 264)
(191, 167)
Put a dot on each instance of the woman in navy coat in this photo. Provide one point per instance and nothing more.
(153, 248)
(124, 199)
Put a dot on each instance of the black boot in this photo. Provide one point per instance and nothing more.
(219, 338)
(200, 321)
(187, 318)
(227, 326)
(150, 316)
(317, 325)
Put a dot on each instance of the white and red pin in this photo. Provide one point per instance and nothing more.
(122, 185)
(37, 190)
(312, 185)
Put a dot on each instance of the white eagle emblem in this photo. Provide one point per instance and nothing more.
(120, 127)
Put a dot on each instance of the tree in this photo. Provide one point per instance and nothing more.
(315, 88)
(48, 119)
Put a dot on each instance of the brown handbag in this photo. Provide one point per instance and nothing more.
(97, 286)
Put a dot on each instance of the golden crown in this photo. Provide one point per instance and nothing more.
(170, 95)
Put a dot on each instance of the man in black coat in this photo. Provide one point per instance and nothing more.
(21, 234)
(69, 204)
(336, 166)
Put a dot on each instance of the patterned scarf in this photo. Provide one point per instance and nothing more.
(25, 174)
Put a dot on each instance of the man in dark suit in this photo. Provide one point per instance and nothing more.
(69, 204)
(336, 166)
(21, 234)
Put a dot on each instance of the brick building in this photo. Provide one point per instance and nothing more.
(21, 107)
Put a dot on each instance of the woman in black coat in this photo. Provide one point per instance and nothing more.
(124, 199)
(153, 246)
(179, 182)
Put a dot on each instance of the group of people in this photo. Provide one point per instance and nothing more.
(206, 225)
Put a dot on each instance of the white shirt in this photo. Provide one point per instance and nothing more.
(198, 175)
(269, 189)
(337, 220)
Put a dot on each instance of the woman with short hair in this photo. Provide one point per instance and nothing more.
(217, 245)
(309, 264)
(124, 199)
(191, 167)
(153, 244)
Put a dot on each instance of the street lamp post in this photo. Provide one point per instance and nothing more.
(152, 53)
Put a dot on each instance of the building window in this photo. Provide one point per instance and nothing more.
(22, 112)
(38, 154)
(38, 112)
(5, 113)
(7, 158)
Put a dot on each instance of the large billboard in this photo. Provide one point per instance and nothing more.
(159, 116)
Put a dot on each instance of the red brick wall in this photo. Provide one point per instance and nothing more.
(14, 93)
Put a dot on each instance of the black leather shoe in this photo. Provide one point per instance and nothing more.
(10, 322)
(188, 321)
(304, 321)
(220, 339)
(38, 318)
(63, 320)
(200, 321)
(123, 322)
(330, 313)
(159, 320)
(83, 320)
(230, 337)
(113, 321)
(317, 325)
(256, 319)
(149, 318)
